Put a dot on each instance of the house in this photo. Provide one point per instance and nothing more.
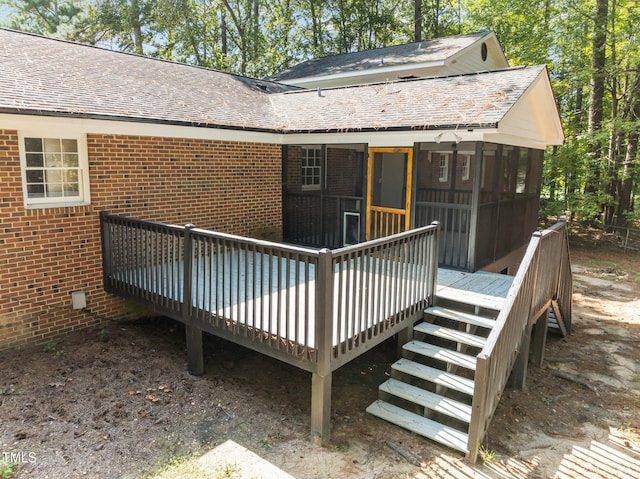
(455, 55)
(85, 130)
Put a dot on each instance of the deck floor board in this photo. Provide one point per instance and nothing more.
(481, 287)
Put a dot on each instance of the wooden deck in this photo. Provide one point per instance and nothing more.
(318, 310)
(482, 289)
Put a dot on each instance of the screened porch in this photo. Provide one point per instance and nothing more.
(485, 197)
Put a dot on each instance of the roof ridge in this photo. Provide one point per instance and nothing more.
(409, 80)
(144, 57)
(479, 33)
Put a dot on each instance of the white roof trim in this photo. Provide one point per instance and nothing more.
(535, 115)
(372, 138)
(490, 37)
(123, 127)
(363, 73)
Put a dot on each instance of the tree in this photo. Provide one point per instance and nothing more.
(596, 97)
(55, 18)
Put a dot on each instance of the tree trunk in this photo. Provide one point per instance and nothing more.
(256, 28)
(598, 62)
(624, 194)
(223, 32)
(136, 27)
(417, 21)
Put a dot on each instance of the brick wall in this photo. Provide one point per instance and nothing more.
(45, 254)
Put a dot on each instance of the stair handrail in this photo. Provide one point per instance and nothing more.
(541, 277)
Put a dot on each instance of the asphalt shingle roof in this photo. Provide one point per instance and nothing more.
(472, 100)
(438, 49)
(38, 73)
(52, 77)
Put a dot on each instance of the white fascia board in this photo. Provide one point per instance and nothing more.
(513, 140)
(491, 38)
(57, 126)
(535, 115)
(386, 138)
(301, 82)
(60, 125)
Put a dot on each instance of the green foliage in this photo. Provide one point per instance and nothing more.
(103, 335)
(6, 469)
(7, 392)
(56, 18)
(260, 37)
(486, 455)
(52, 348)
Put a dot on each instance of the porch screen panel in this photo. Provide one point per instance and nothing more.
(444, 189)
(315, 214)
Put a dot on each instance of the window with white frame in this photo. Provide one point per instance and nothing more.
(466, 166)
(443, 167)
(311, 160)
(54, 171)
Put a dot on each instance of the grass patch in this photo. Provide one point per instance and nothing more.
(188, 467)
(6, 469)
(486, 455)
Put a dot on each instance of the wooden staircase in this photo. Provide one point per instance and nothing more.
(450, 378)
(431, 387)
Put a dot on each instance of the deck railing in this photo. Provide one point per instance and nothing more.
(543, 280)
(380, 287)
(454, 223)
(293, 303)
(313, 309)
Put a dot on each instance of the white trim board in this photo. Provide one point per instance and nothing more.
(65, 126)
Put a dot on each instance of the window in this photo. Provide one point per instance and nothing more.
(439, 161)
(443, 168)
(311, 168)
(54, 171)
(521, 176)
(466, 166)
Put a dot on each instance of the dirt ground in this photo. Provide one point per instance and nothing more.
(118, 403)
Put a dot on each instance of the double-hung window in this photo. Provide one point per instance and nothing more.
(54, 171)
(442, 160)
(311, 168)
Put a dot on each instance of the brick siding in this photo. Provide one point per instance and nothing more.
(46, 254)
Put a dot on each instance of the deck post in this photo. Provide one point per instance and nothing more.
(433, 264)
(321, 376)
(107, 253)
(519, 372)
(539, 338)
(195, 356)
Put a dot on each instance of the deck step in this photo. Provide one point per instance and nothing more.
(468, 318)
(420, 425)
(427, 399)
(441, 354)
(450, 334)
(472, 299)
(437, 376)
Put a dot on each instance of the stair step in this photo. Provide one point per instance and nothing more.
(441, 354)
(427, 399)
(468, 318)
(420, 425)
(451, 334)
(437, 376)
(472, 299)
